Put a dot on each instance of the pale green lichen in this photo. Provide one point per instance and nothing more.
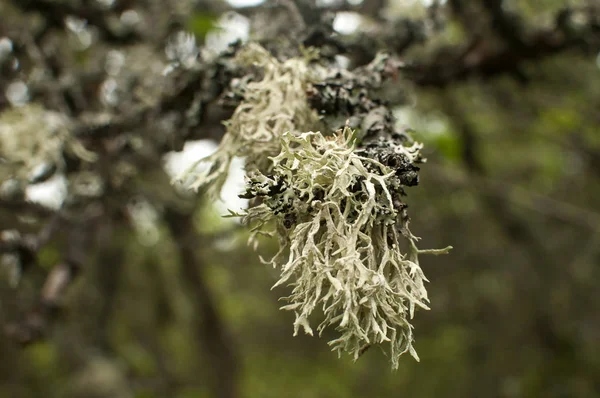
(31, 136)
(270, 106)
(341, 226)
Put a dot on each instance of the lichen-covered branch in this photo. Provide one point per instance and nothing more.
(333, 199)
(341, 224)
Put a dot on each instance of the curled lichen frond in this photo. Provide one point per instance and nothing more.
(32, 137)
(341, 224)
(272, 105)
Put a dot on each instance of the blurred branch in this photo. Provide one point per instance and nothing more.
(574, 28)
(55, 13)
(26, 207)
(194, 98)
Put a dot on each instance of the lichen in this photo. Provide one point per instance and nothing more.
(341, 224)
(32, 138)
(271, 106)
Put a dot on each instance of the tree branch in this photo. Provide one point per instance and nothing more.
(55, 13)
(487, 59)
(505, 24)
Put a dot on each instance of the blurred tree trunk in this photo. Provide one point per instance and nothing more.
(212, 333)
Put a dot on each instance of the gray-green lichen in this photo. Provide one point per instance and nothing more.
(271, 106)
(341, 225)
(334, 201)
(32, 139)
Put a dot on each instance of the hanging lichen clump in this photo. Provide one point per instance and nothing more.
(271, 106)
(334, 202)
